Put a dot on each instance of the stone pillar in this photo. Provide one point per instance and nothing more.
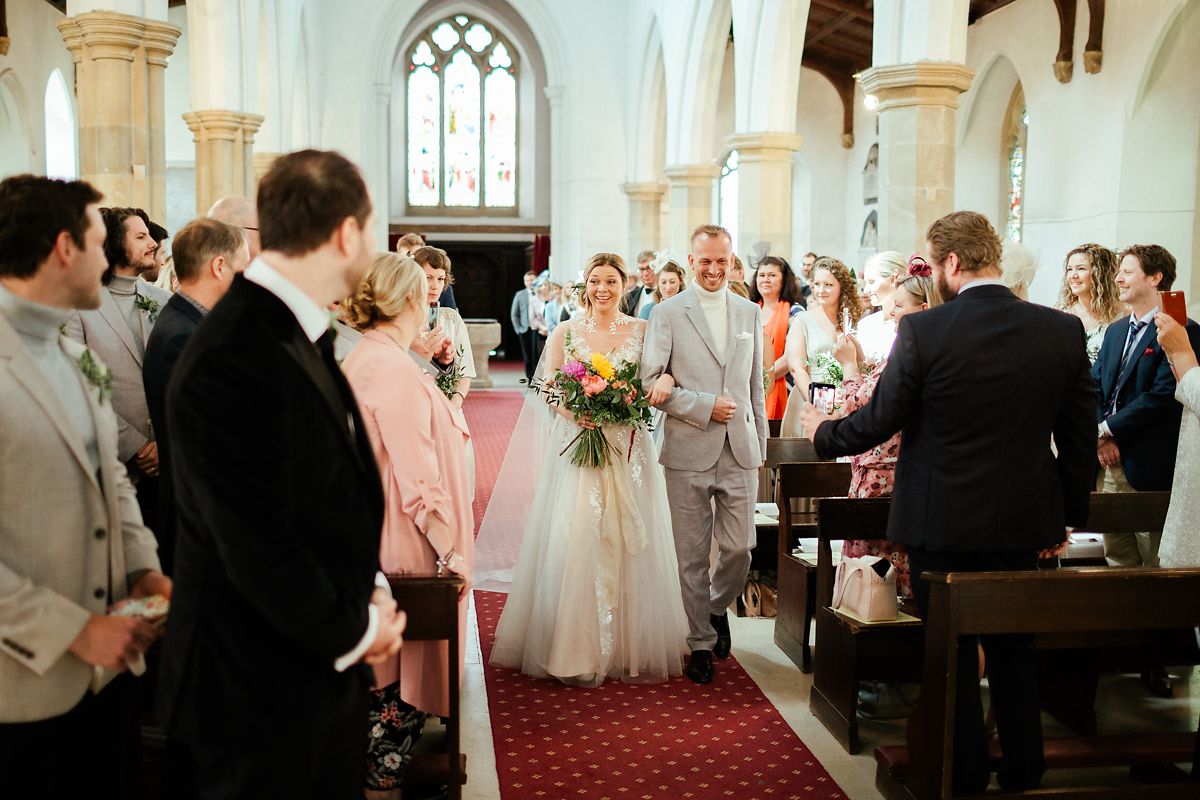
(918, 106)
(765, 189)
(119, 62)
(690, 193)
(561, 269)
(224, 153)
(645, 217)
(262, 163)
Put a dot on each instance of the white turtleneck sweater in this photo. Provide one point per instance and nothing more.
(715, 306)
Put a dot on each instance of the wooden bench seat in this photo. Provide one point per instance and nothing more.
(1103, 605)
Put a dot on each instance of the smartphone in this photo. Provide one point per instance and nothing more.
(1174, 305)
(823, 396)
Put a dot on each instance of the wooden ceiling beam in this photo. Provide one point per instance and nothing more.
(857, 9)
(828, 29)
(981, 8)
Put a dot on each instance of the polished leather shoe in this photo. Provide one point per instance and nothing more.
(700, 667)
(724, 641)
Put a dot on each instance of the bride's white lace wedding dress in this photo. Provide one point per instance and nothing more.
(595, 590)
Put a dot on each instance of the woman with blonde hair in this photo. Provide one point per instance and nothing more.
(877, 330)
(671, 281)
(1089, 291)
(835, 308)
(594, 591)
(418, 438)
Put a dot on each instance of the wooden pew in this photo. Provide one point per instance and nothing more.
(431, 603)
(800, 474)
(850, 651)
(1085, 604)
(1070, 677)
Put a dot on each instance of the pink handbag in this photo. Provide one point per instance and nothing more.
(859, 589)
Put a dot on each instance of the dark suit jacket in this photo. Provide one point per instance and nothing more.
(977, 386)
(447, 299)
(629, 300)
(1146, 423)
(280, 507)
(176, 323)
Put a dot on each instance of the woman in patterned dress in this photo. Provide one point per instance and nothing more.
(873, 472)
(1089, 291)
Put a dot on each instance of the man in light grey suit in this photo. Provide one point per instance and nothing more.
(117, 333)
(714, 437)
(72, 539)
(526, 314)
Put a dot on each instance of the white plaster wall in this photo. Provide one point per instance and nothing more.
(181, 149)
(1083, 149)
(819, 169)
(979, 180)
(36, 50)
(865, 135)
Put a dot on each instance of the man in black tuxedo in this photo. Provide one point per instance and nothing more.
(633, 300)
(1136, 411)
(279, 605)
(977, 387)
(207, 254)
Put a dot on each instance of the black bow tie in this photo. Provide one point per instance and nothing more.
(647, 290)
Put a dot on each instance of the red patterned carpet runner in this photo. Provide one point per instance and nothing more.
(657, 741)
(669, 741)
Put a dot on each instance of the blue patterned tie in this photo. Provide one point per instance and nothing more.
(1135, 330)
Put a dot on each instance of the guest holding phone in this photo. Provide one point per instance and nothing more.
(873, 473)
(1181, 532)
(453, 351)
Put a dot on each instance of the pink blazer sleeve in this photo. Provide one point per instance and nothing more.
(406, 428)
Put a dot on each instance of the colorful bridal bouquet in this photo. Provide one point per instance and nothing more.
(597, 391)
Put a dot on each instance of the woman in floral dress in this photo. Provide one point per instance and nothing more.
(873, 473)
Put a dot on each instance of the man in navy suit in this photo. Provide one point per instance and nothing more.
(1136, 410)
(207, 254)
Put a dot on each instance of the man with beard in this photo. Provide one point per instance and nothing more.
(977, 387)
(279, 606)
(117, 333)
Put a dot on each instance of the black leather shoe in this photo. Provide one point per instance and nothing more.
(700, 667)
(724, 641)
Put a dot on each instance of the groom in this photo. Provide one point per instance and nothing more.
(714, 439)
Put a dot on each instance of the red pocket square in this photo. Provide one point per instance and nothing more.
(1148, 351)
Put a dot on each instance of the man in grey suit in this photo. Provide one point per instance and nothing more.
(527, 321)
(117, 332)
(714, 437)
(72, 541)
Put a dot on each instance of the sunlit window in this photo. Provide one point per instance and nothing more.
(1016, 139)
(462, 118)
(60, 130)
(727, 195)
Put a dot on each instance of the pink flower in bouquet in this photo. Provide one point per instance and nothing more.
(630, 397)
(575, 369)
(593, 384)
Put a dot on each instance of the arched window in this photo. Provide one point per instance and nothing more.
(462, 120)
(727, 195)
(1015, 143)
(60, 130)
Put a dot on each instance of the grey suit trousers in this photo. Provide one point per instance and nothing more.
(716, 503)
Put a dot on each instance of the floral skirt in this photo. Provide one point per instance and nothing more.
(395, 727)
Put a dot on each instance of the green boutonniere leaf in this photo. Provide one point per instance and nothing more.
(149, 305)
(96, 374)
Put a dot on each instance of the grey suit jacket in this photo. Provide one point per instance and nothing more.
(106, 333)
(520, 312)
(66, 535)
(679, 342)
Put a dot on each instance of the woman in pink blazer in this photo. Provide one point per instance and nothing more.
(418, 437)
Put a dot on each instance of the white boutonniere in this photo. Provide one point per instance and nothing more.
(743, 335)
(97, 374)
(147, 304)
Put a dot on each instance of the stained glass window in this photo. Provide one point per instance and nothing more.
(462, 119)
(727, 195)
(1016, 142)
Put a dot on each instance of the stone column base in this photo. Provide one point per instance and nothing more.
(224, 153)
(645, 217)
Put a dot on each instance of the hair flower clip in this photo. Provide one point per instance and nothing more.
(918, 267)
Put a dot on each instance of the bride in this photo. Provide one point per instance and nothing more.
(595, 588)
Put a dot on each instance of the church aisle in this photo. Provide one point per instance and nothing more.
(529, 738)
